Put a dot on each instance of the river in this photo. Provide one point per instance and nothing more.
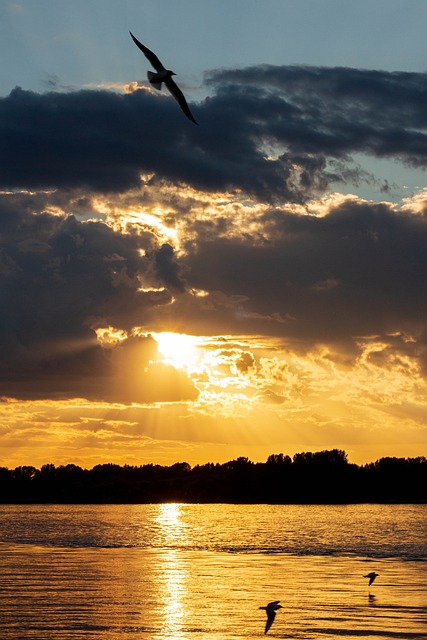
(173, 571)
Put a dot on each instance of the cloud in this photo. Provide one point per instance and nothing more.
(240, 216)
(334, 110)
(60, 279)
(358, 270)
(275, 133)
(140, 377)
(354, 271)
(167, 268)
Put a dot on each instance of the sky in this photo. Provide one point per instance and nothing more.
(255, 284)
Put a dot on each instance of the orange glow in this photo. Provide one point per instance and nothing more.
(198, 399)
(178, 349)
(109, 336)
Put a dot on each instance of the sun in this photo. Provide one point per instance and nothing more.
(178, 349)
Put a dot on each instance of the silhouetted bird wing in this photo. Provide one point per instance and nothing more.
(151, 57)
(166, 78)
(270, 619)
(179, 97)
(273, 605)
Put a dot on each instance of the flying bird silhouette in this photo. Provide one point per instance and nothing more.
(163, 76)
(271, 609)
(371, 577)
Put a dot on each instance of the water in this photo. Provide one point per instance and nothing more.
(192, 571)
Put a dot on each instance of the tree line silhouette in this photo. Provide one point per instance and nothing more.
(320, 477)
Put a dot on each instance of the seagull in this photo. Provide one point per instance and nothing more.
(271, 609)
(163, 75)
(371, 577)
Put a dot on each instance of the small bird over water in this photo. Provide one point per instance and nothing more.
(371, 577)
(163, 75)
(271, 609)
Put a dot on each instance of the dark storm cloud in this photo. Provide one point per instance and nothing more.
(167, 268)
(335, 110)
(52, 264)
(83, 138)
(103, 141)
(277, 133)
(358, 271)
(60, 278)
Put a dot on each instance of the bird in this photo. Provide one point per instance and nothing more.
(163, 76)
(271, 609)
(371, 577)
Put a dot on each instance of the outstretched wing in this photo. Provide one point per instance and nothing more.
(273, 604)
(179, 97)
(151, 57)
(270, 619)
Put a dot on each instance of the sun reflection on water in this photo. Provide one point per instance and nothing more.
(173, 581)
(171, 527)
(172, 570)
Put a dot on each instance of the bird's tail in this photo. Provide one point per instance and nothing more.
(150, 76)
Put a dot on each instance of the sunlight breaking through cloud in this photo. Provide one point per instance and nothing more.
(257, 283)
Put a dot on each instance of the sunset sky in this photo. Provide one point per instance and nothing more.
(253, 285)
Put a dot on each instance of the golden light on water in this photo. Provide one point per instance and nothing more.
(173, 573)
(171, 526)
